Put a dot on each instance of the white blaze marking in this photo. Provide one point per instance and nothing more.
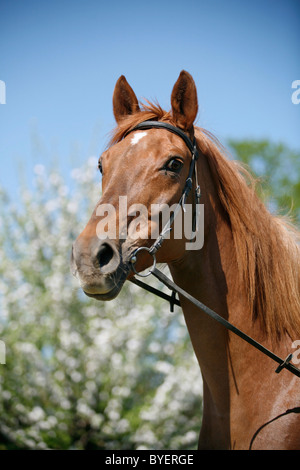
(138, 136)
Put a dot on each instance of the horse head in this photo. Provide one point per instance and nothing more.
(143, 168)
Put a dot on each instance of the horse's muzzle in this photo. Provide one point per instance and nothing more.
(97, 266)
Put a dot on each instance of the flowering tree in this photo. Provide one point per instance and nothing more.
(82, 374)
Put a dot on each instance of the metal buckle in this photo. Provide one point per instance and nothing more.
(133, 260)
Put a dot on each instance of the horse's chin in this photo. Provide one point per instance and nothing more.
(109, 289)
(109, 295)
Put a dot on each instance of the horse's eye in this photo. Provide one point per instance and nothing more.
(174, 165)
(100, 166)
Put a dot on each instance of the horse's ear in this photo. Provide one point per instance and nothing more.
(184, 101)
(124, 100)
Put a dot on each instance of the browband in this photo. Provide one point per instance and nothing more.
(164, 125)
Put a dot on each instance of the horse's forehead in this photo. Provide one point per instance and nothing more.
(146, 142)
(155, 138)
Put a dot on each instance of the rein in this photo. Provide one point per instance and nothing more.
(283, 363)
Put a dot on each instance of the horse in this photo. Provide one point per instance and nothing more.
(247, 269)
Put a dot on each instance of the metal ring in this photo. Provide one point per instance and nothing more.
(145, 248)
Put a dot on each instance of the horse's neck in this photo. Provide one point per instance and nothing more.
(211, 276)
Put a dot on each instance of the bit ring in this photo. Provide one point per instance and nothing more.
(133, 260)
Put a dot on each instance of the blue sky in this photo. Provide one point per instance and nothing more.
(60, 61)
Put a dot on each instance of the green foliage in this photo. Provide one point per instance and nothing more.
(82, 374)
(278, 169)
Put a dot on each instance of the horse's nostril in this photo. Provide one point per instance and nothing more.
(105, 255)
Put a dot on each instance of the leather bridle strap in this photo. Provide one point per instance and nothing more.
(282, 363)
(164, 125)
(189, 181)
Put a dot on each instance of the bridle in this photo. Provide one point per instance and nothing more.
(192, 146)
(186, 190)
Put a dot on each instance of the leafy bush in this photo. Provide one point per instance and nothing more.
(278, 169)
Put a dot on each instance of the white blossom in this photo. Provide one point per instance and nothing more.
(122, 372)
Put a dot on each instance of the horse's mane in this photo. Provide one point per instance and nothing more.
(267, 249)
(267, 246)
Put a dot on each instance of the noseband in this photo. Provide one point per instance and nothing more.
(283, 364)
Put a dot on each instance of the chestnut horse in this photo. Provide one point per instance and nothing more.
(248, 270)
